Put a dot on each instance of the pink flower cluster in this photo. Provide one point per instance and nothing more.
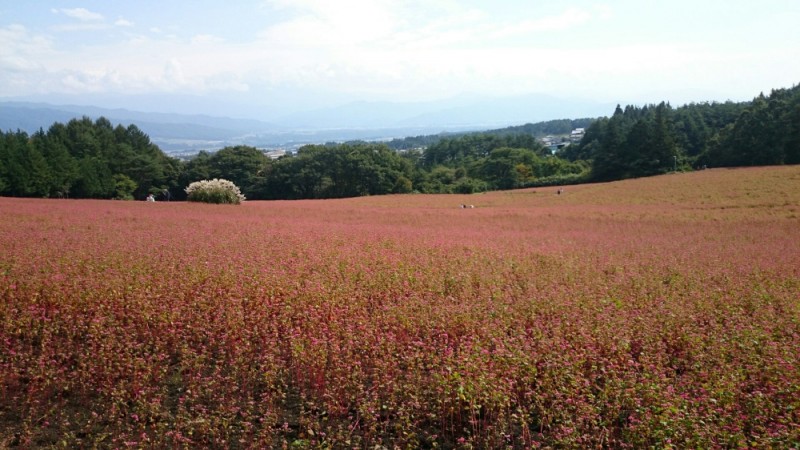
(668, 317)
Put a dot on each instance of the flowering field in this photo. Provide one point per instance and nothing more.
(660, 312)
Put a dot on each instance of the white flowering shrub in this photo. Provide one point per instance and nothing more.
(214, 191)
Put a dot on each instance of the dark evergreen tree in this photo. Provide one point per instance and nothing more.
(27, 173)
(793, 132)
(62, 167)
(663, 153)
(609, 156)
(636, 155)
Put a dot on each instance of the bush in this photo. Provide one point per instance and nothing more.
(214, 191)
(559, 180)
(468, 185)
(123, 187)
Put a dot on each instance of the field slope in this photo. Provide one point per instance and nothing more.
(659, 312)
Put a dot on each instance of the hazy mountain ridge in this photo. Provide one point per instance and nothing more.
(355, 120)
(463, 111)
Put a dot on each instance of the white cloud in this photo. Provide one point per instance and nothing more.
(85, 20)
(83, 82)
(173, 73)
(570, 18)
(22, 51)
(328, 24)
(604, 12)
(81, 14)
(206, 39)
(425, 49)
(80, 27)
(380, 49)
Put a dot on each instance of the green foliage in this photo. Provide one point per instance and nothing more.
(656, 139)
(124, 187)
(242, 165)
(98, 160)
(26, 170)
(468, 185)
(403, 185)
(634, 142)
(337, 171)
(550, 127)
(486, 161)
(467, 149)
(765, 133)
(792, 147)
(3, 177)
(507, 168)
(539, 129)
(500, 168)
(83, 159)
(562, 179)
(216, 191)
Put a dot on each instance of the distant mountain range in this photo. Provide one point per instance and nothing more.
(189, 133)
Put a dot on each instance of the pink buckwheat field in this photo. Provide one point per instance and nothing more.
(651, 313)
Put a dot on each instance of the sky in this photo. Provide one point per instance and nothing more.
(270, 55)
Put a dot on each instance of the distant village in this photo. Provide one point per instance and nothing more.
(555, 143)
(275, 153)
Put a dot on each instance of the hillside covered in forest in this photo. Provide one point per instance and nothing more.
(96, 159)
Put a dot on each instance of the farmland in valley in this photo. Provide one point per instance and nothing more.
(652, 312)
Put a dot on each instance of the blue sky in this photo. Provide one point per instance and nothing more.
(308, 53)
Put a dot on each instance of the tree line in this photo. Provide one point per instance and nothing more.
(539, 129)
(94, 159)
(84, 159)
(491, 161)
(642, 141)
